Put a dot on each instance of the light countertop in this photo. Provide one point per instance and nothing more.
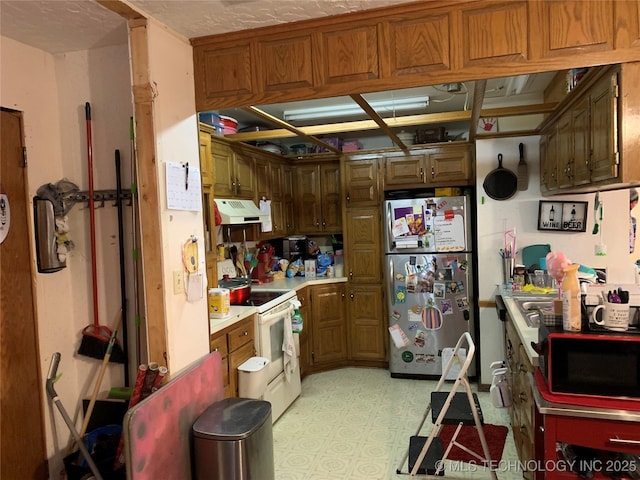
(238, 312)
(527, 334)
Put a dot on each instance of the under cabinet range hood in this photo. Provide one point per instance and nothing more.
(237, 211)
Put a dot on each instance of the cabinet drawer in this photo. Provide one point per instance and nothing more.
(236, 359)
(219, 344)
(241, 335)
(598, 434)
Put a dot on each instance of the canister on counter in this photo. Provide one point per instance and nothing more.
(219, 302)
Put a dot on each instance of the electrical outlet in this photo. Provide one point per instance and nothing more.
(178, 282)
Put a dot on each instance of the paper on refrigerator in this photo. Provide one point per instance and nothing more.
(398, 336)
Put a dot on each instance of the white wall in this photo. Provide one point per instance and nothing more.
(521, 212)
(51, 91)
(171, 66)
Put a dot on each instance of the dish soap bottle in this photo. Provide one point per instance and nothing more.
(571, 305)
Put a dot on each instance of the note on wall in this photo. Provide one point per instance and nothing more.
(183, 187)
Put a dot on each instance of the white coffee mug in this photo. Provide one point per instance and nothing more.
(615, 316)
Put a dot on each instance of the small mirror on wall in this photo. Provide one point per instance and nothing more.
(562, 216)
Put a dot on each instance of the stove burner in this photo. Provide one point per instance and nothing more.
(258, 298)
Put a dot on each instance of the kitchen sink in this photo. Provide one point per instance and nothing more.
(534, 310)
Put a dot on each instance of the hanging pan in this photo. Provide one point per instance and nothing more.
(501, 183)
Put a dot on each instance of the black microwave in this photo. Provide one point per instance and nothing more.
(590, 364)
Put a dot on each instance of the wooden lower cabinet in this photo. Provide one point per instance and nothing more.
(522, 410)
(305, 334)
(329, 325)
(236, 344)
(367, 332)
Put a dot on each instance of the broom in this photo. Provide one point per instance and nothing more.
(95, 337)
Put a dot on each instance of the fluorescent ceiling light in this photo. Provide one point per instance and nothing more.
(518, 83)
(354, 109)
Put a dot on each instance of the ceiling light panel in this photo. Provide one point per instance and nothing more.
(332, 111)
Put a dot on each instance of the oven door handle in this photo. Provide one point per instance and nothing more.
(267, 317)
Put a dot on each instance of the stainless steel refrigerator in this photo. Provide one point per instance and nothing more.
(429, 282)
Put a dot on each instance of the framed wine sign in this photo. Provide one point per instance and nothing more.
(562, 216)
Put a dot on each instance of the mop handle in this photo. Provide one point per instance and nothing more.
(92, 218)
(53, 368)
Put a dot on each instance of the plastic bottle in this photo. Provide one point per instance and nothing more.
(296, 318)
(571, 305)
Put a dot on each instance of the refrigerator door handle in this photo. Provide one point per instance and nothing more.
(392, 295)
(390, 241)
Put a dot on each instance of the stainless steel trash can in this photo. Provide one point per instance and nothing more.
(233, 440)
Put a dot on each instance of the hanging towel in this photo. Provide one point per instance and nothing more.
(289, 346)
(265, 207)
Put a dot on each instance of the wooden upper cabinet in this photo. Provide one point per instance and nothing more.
(605, 154)
(410, 45)
(494, 33)
(318, 198)
(360, 178)
(419, 45)
(233, 171)
(451, 165)
(363, 246)
(206, 160)
(285, 63)
(572, 27)
(402, 169)
(223, 160)
(349, 54)
(223, 72)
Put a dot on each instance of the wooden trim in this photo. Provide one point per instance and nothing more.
(487, 303)
(148, 196)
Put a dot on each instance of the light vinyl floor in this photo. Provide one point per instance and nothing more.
(355, 423)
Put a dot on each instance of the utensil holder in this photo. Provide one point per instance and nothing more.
(507, 269)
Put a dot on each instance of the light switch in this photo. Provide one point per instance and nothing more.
(178, 282)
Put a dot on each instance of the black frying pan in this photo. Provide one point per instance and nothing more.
(501, 183)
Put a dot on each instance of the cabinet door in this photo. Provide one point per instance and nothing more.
(206, 161)
(211, 254)
(331, 197)
(403, 170)
(565, 151)
(360, 178)
(244, 176)
(350, 54)
(604, 131)
(223, 172)
(581, 150)
(367, 339)
(308, 198)
(262, 172)
(305, 335)
(218, 343)
(419, 44)
(362, 243)
(286, 63)
(570, 28)
(449, 166)
(329, 334)
(223, 72)
(549, 159)
(288, 210)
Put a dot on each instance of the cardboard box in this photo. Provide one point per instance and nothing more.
(310, 268)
